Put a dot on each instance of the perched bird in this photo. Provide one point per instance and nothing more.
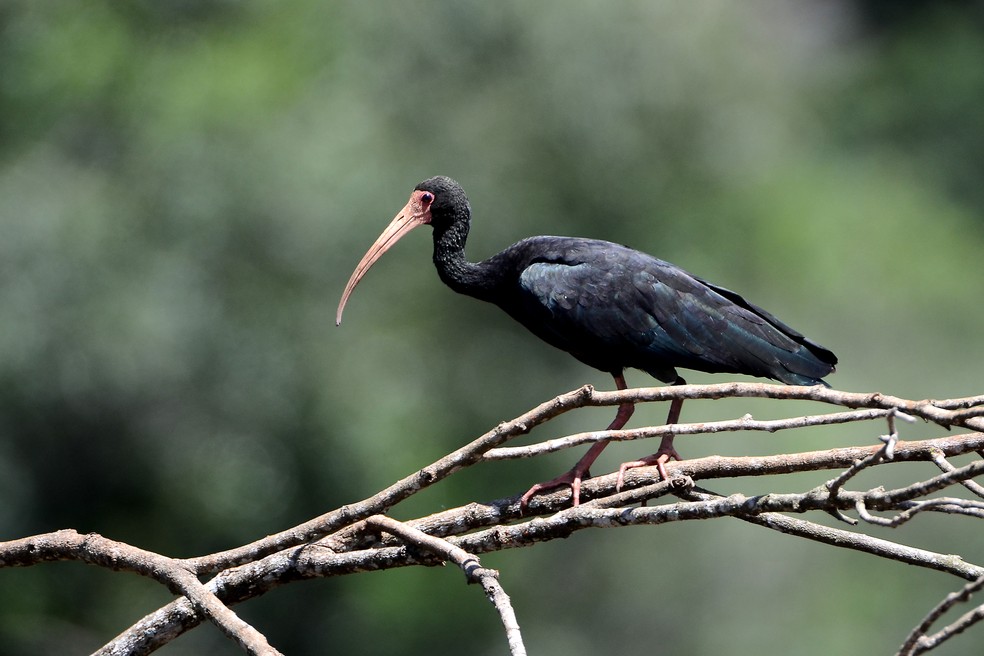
(609, 306)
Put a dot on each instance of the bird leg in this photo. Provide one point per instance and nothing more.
(580, 471)
(665, 453)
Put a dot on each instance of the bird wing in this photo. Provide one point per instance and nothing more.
(616, 307)
(595, 307)
(824, 354)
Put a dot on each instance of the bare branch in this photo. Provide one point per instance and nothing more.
(97, 550)
(855, 541)
(934, 411)
(745, 423)
(470, 565)
(759, 510)
(947, 505)
(886, 452)
(918, 642)
(344, 541)
(961, 403)
(253, 579)
(940, 459)
(387, 498)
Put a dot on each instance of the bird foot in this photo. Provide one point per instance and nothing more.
(570, 479)
(659, 459)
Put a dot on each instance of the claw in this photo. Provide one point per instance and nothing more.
(571, 478)
(659, 459)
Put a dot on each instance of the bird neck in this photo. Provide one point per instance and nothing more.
(464, 277)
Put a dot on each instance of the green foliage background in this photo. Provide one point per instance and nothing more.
(186, 186)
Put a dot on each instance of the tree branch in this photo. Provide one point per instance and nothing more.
(918, 642)
(358, 537)
(97, 550)
(469, 564)
(395, 493)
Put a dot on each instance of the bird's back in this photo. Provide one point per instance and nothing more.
(613, 307)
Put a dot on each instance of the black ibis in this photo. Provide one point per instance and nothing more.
(609, 306)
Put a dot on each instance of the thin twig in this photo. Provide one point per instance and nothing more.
(745, 423)
(939, 458)
(926, 409)
(917, 642)
(947, 505)
(469, 564)
(848, 540)
(886, 452)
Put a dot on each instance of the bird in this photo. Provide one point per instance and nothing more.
(611, 307)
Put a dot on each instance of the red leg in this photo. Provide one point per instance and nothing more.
(665, 453)
(580, 470)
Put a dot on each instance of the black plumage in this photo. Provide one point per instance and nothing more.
(609, 306)
(613, 308)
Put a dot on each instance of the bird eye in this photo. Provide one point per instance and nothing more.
(427, 197)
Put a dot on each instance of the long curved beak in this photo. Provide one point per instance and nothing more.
(411, 216)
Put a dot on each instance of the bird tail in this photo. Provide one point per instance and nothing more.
(805, 366)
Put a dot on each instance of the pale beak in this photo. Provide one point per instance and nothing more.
(413, 215)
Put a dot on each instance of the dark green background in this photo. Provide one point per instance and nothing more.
(186, 186)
